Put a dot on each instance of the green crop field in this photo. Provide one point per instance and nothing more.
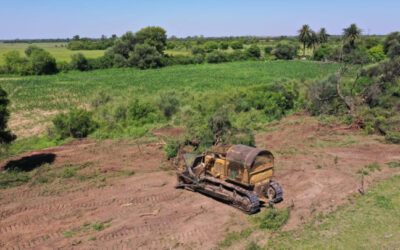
(67, 90)
(60, 53)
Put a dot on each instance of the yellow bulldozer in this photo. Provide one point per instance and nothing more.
(241, 176)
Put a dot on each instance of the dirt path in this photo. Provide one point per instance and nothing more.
(144, 211)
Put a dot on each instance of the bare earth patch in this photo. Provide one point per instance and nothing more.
(145, 211)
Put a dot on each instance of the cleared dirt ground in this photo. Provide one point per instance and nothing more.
(144, 211)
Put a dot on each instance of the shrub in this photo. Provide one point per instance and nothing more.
(168, 103)
(5, 135)
(393, 137)
(198, 50)
(42, 62)
(210, 46)
(78, 123)
(140, 113)
(323, 52)
(323, 97)
(15, 64)
(357, 56)
(172, 148)
(274, 99)
(238, 55)
(145, 57)
(199, 59)
(253, 51)
(236, 45)
(285, 50)
(31, 48)
(390, 40)
(224, 45)
(376, 53)
(79, 62)
(268, 50)
(63, 66)
(216, 57)
(220, 124)
(153, 37)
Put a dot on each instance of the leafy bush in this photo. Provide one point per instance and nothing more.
(140, 113)
(253, 51)
(268, 49)
(357, 56)
(42, 62)
(224, 45)
(168, 103)
(153, 36)
(236, 45)
(78, 123)
(323, 52)
(79, 62)
(238, 55)
(210, 46)
(216, 57)
(172, 148)
(376, 53)
(15, 64)
(274, 99)
(220, 124)
(391, 40)
(145, 57)
(198, 50)
(285, 50)
(5, 135)
(323, 97)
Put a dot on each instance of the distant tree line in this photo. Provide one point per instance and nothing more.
(103, 43)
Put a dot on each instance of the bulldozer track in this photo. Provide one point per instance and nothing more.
(56, 205)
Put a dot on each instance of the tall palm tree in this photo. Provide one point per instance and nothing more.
(304, 36)
(322, 36)
(352, 33)
(313, 41)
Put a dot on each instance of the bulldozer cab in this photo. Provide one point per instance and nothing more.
(249, 165)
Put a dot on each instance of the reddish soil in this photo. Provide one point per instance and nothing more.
(145, 211)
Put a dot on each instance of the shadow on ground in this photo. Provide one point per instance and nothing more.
(29, 163)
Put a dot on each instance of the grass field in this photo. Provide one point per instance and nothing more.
(68, 90)
(370, 222)
(60, 53)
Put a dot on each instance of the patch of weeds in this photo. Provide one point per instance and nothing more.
(13, 178)
(373, 166)
(318, 166)
(233, 237)
(383, 202)
(393, 164)
(360, 171)
(67, 173)
(91, 239)
(271, 219)
(126, 172)
(336, 160)
(100, 226)
(69, 234)
(253, 246)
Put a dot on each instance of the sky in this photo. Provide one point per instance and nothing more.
(91, 18)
